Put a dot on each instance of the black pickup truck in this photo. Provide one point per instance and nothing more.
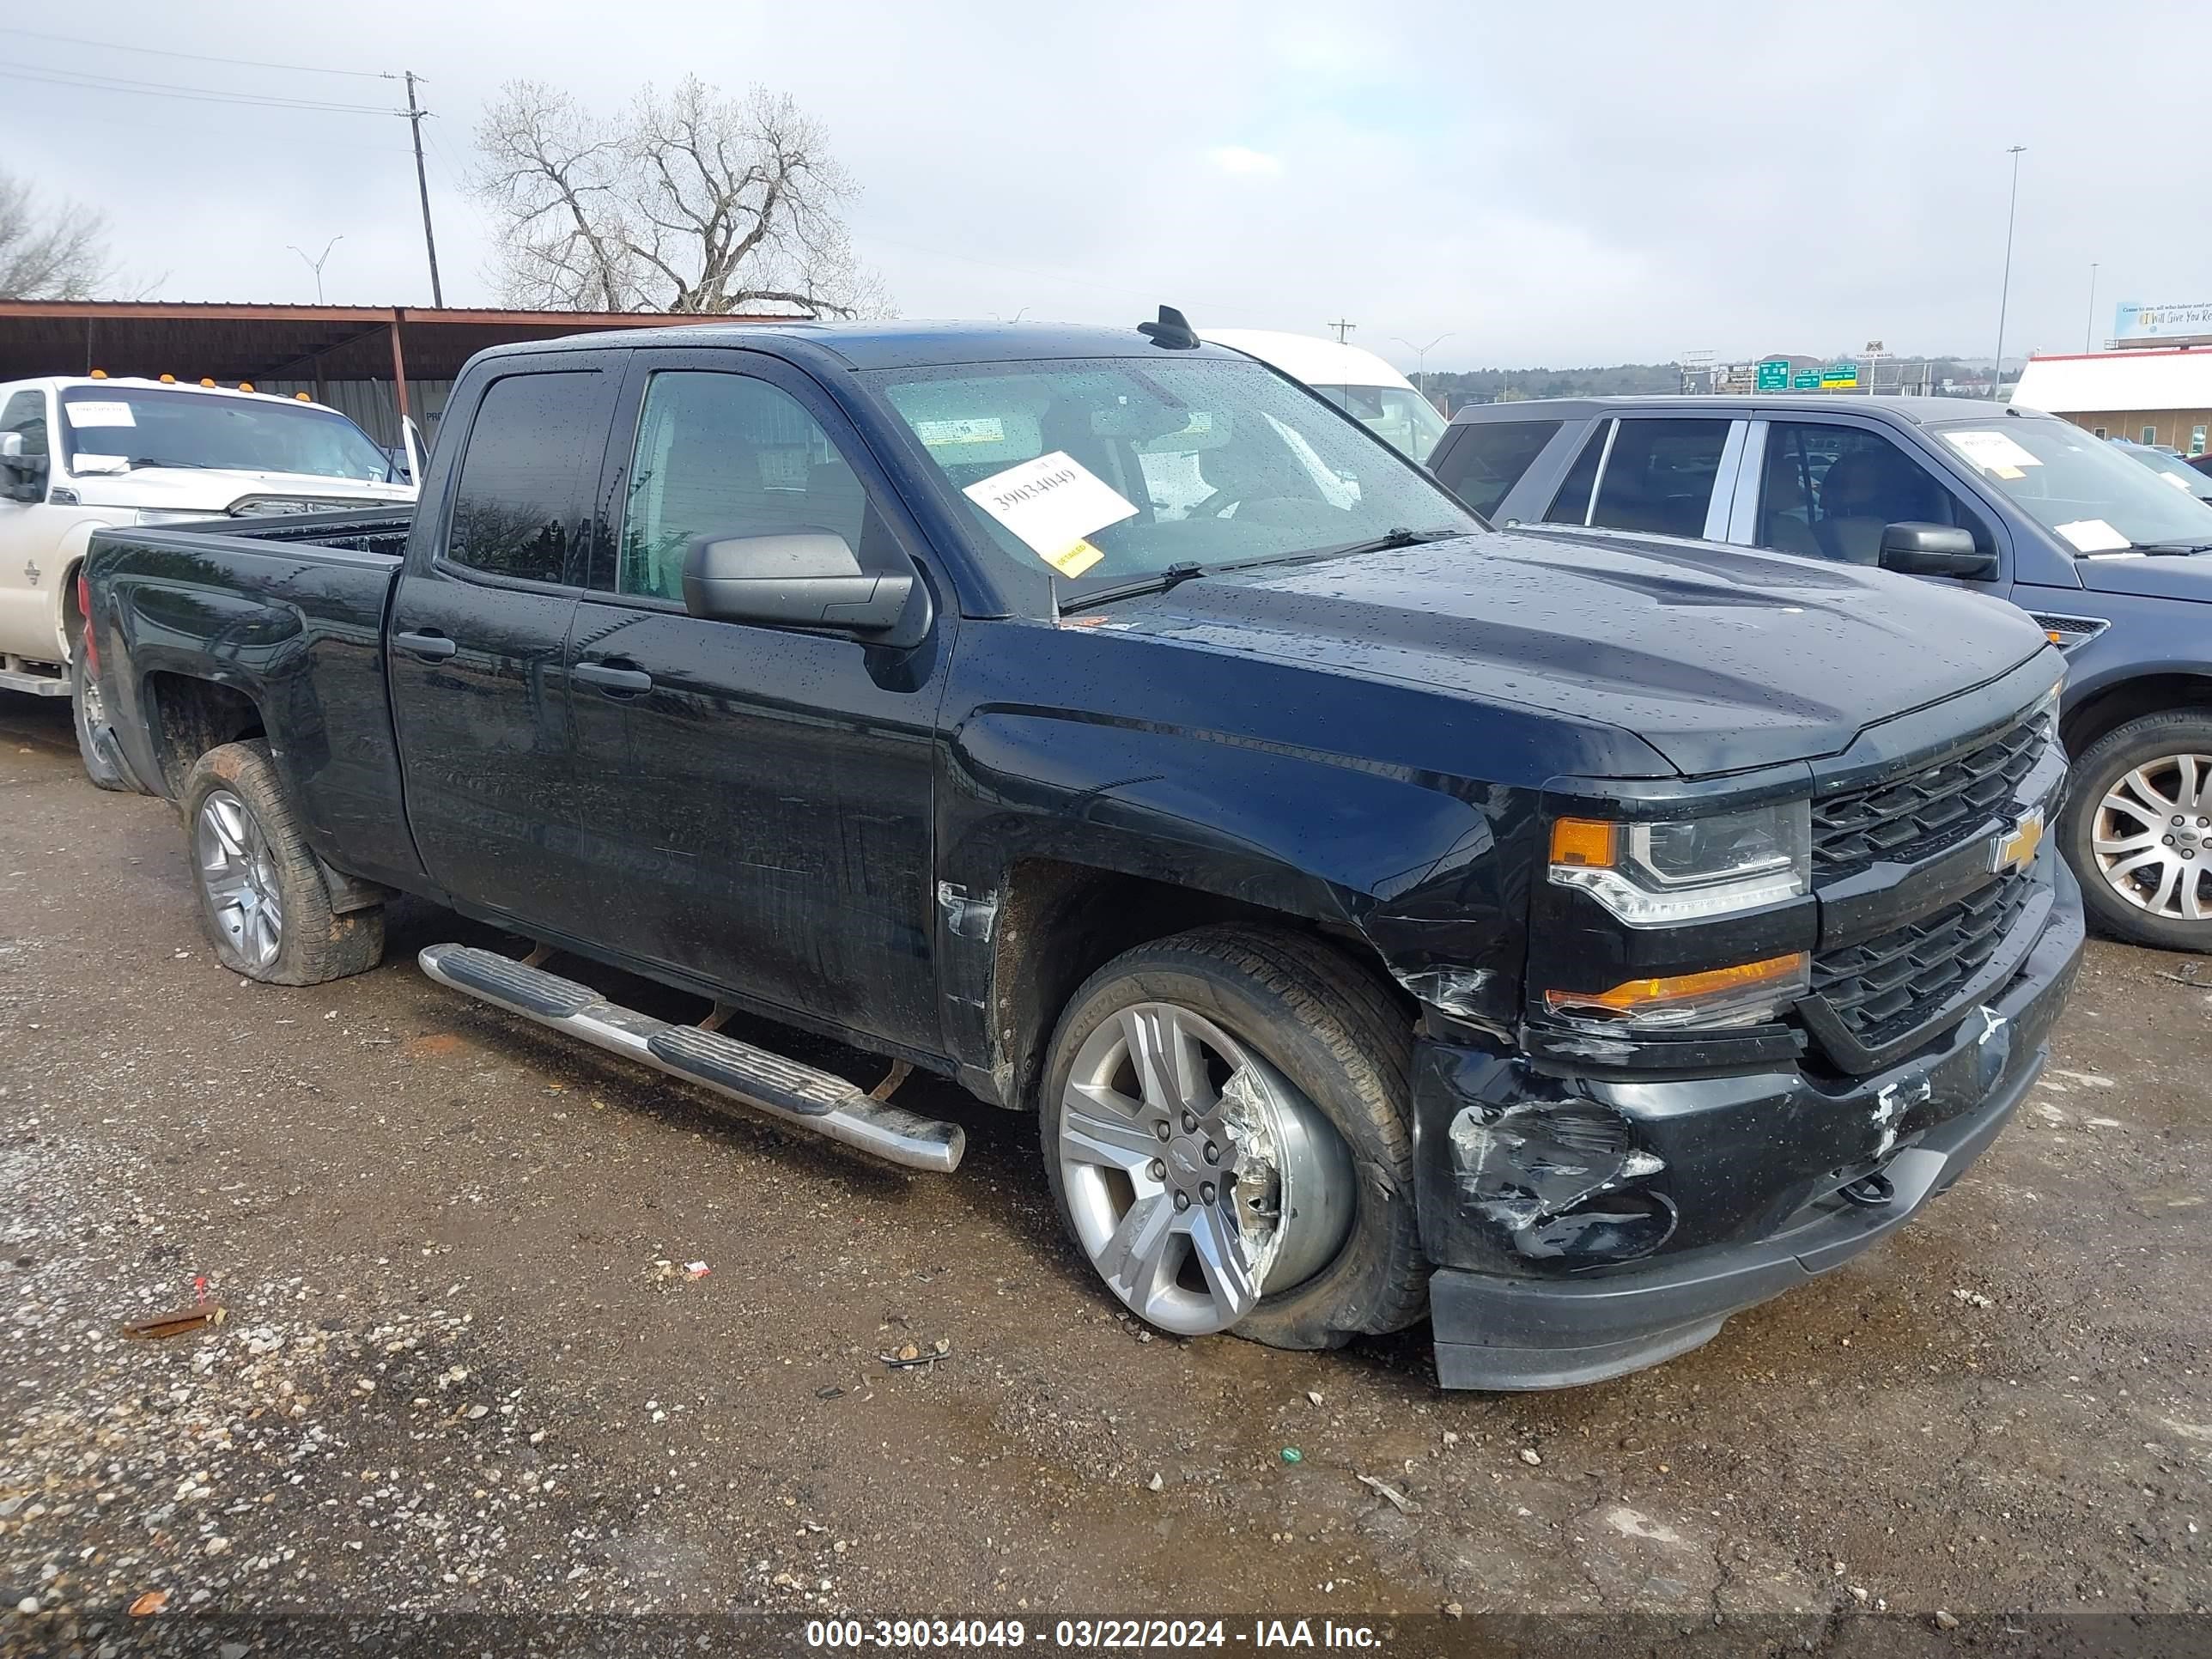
(1578, 939)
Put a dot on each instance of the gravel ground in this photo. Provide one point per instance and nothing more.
(467, 1368)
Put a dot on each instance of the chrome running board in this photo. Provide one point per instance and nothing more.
(797, 1095)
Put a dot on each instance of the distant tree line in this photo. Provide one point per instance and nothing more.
(1485, 386)
(1509, 384)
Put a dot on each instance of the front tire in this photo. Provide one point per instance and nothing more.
(264, 901)
(2139, 829)
(1225, 1131)
(101, 766)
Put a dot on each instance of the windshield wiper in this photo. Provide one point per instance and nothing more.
(1396, 536)
(1158, 582)
(1174, 574)
(2171, 549)
(137, 461)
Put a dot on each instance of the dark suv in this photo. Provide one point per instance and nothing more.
(2113, 562)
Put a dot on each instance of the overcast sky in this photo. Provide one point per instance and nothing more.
(1564, 184)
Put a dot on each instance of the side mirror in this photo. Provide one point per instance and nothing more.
(26, 474)
(804, 578)
(1936, 550)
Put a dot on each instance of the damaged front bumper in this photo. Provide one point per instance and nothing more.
(1588, 1225)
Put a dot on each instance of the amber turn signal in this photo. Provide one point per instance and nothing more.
(1632, 995)
(1584, 842)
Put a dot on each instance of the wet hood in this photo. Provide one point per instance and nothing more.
(2184, 576)
(1720, 658)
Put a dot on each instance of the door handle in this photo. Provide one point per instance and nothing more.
(430, 645)
(614, 680)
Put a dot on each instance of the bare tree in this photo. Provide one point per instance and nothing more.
(694, 201)
(59, 253)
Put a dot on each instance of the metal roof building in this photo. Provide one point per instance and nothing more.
(377, 364)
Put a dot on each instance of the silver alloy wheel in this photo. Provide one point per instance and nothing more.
(1197, 1177)
(2153, 837)
(238, 873)
(96, 712)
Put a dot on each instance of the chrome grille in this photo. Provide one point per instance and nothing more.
(1913, 817)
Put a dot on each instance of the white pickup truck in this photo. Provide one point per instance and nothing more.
(79, 455)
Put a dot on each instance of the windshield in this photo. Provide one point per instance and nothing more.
(115, 427)
(2077, 484)
(1397, 413)
(1111, 470)
(2176, 473)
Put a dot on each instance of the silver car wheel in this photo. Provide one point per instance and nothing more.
(1197, 1177)
(2153, 837)
(238, 874)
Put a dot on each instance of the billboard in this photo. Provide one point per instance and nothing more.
(2134, 321)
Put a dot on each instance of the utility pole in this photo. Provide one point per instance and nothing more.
(2090, 327)
(2004, 294)
(1342, 330)
(422, 185)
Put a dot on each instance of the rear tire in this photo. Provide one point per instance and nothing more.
(1335, 1044)
(264, 901)
(2144, 876)
(85, 709)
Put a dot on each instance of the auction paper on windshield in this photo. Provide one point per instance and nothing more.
(1993, 452)
(2093, 536)
(1052, 505)
(98, 411)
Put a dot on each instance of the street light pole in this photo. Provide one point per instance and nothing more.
(1420, 358)
(2090, 328)
(2004, 294)
(316, 265)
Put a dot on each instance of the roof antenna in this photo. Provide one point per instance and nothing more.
(1171, 331)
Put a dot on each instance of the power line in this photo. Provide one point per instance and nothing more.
(197, 94)
(196, 56)
(26, 108)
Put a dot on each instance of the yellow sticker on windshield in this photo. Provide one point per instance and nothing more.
(1074, 561)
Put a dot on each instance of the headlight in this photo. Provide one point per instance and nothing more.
(2046, 712)
(1661, 875)
(171, 515)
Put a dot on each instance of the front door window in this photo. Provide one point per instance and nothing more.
(1830, 491)
(725, 455)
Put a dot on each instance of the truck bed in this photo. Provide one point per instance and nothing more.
(270, 627)
(381, 530)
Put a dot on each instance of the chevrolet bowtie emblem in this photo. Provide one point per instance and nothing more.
(2015, 848)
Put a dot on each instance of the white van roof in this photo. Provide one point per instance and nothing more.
(1306, 358)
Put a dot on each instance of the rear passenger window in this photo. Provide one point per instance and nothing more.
(531, 463)
(729, 455)
(1660, 477)
(1489, 458)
